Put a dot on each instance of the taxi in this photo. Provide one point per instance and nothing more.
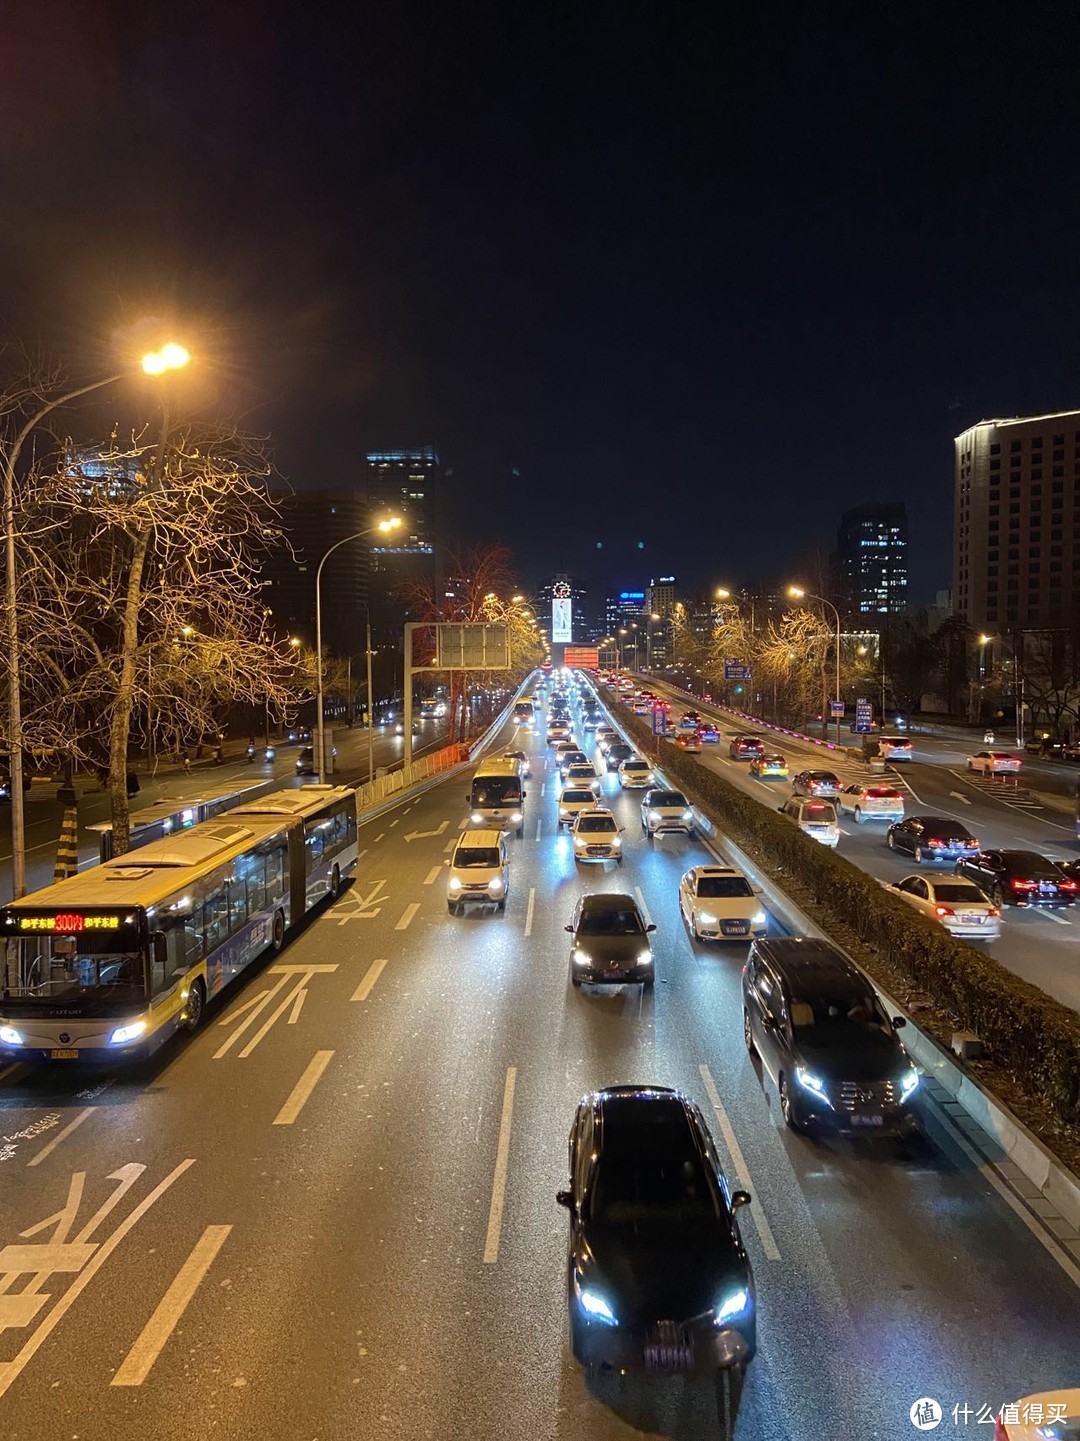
(769, 767)
(688, 741)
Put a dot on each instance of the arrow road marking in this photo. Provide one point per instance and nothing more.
(426, 835)
(959, 795)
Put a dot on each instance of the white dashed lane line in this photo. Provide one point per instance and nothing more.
(433, 875)
(407, 915)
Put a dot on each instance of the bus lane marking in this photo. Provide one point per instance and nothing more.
(303, 1088)
(147, 1347)
(407, 915)
(738, 1160)
(371, 975)
(298, 1004)
(305, 974)
(301, 974)
(502, 1161)
(51, 1146)
(17, 1261)
(529, 911)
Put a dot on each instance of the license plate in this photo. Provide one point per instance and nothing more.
(1047, 888)
(867, 1120)
(62, 1055)
(669, 1358)
(738, 928)
(973, 920)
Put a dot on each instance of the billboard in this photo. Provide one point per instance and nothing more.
(561, 610)
(584, 657)
(471, 646)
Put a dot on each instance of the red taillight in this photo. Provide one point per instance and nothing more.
(972, 845)
(1067, 886)
(993, 911)
(935, 841)
(944, 911)
(1024, 885)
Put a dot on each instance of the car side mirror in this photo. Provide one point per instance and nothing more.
(447, 861)
(740, 1198)
(782, 809)
(650, 927)
(569, 928)
(468, 799)
(899, 1023)
(524, 795)
(621, 829)
(565, 1198)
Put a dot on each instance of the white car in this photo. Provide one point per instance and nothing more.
(635, 773)
(1046, 1416)
(871, 803)
(573, 801)
(961, 906)
(718, 903)
(557, 731)
(816, 818)
(895, 748)
(597, 836)
(479, 871)
(994, 763)
(582, 774)
(665, 811)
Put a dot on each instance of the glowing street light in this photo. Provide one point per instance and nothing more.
(796, 592)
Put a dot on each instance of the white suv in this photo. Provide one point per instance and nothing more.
(665, 811)
(479, 871)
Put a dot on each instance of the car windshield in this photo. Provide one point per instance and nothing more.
(822, 777)
(501, 791)
(94, 973)
(596, 823)
(951, 891)
(615, 922)
(636, 765)
(644, 1188)
(667, 798)
(486, 856)
(839, 1017)
(577, 796)
(727, 887)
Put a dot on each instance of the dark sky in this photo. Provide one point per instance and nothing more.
(705, 274)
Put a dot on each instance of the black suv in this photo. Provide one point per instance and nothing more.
(657, 1276)
(820, 1030)
(1019, 878)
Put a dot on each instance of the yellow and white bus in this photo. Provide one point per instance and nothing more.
(111, 962)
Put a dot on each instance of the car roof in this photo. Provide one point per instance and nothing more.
(607, 901)
(806, 960)
(480, 839)
(665, 1115)
(714, 871)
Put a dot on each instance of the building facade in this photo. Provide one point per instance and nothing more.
(552, 600)
(1016, 526)
(870, 563)
(622, 609)
(313, 521)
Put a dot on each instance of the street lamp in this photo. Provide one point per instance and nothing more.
(797, 593)
(169, 357)
(383, 527)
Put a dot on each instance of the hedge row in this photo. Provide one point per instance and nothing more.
(1033, 1036)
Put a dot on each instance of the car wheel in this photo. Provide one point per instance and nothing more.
(748, 1033)
(729, 1384)
(858, 816)
(918, 855)
(335, 883)
(451, 908)
(618, 860)
(502, 903)
(192, 1013)
(575, 981)
(792, 1119)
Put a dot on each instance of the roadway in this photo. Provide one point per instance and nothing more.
(331, 1213)
(1039, 946)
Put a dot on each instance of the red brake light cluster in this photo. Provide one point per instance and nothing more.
(1067, 886)
(944, 911)
(1019, 885)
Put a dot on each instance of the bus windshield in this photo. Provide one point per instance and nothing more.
(496, 791)
(95, 973)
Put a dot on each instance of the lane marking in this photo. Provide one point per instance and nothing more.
(450, 844)
(378, 838)
(37, 1159)
(539, 828)
(12, 1369)
(276, 1015)
(303, 1088)
(1058, 920)
(742, 1172)
(147, 1347)
(298, 1004)
(407, 915)
(502, 1157)
(643, 906)
(371, 975)
(362, 854)
(959, 795)
(394, 822)
(433, 875)
(543, 788)
(988, 1171)
(529, 912)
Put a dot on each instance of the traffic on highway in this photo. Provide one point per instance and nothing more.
(559, 1120)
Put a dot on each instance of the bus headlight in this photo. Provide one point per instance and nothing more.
(123, 1034)
(10, 1036)
(516, 818)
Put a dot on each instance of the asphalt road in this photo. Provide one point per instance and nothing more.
(293, 1225)
(1038, 945)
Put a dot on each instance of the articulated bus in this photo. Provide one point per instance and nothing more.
(109, 963)
(170, 814)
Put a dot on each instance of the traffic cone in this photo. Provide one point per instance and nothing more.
(67, 852)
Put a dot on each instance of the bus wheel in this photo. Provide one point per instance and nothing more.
(335, 883)
(192, 1013)
(278, 939)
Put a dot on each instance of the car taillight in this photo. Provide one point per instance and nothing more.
(935, 841)
(994, 911)
(944, 911)
(972, 845)
(1067, 885)
(1018, 885)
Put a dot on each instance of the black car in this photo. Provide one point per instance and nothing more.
(657, 1276)
(616, 753)
(572, 758)
(611, 942)
(820, 1030)
(932, 838)
(1019, 878)
(820, 785)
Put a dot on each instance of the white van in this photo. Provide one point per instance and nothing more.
(815, 818)
(479, 871)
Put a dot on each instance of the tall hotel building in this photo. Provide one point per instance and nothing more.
(1016, 526)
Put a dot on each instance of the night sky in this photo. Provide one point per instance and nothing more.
(702, 275)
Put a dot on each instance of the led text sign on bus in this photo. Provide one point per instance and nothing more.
(69, 923)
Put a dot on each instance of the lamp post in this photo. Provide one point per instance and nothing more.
(797, 593)
(383, 527)
(169, 357)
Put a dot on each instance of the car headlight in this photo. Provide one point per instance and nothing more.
(496, 886)
(516, 818)
(706, 918)
(732, 1307)
(10, 1036)
(581, 958)
(453, 884)
(759, 918)
(809, 1082)
(476, 818)
(595, 1305)
(616, 841)
(644, 958)
(688, 815)
(123, 1034)
(908, 1083)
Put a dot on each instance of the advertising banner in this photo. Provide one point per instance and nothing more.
(561, 610)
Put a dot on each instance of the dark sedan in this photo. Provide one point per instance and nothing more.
(745, 748)
(932, 838)
(1019, 878)
(658, 1279)
(611, 942)
(616, 753)
(821, 785)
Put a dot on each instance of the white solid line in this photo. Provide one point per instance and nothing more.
(273, 1017)
(148, 1345)
(738, 1160)
(407, 915)
(298, 1004)
(60, 1136)
(12, 1369)
(644, 907)
(987, 1170)
(371, 975)
(267, 997)
(529, 912)
(303, 1088)
(502, 1157)
(539, 827)
(433, 875)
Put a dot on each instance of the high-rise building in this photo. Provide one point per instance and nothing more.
(660, 595)
(1016, 535)
(621, 609)
(553, 598)
(312, 523)
(870, 560)
(405, 483)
